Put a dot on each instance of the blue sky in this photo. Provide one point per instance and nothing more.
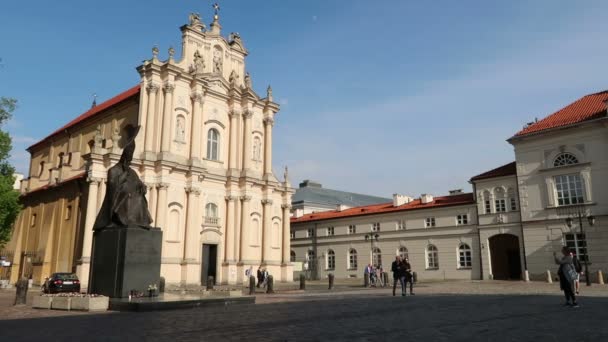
(377, 97)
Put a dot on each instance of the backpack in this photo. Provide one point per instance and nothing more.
(577, 265)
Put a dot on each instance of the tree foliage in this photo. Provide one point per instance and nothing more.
(9, 198)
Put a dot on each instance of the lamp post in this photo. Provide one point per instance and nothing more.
(371, 238)
(591, 220)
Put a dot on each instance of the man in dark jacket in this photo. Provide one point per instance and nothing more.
(398, 274)
(260, 276)
(409, 277)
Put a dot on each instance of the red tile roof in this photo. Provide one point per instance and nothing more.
(438, 202)
(47, 186)
(93, 111)
(588, 107)
(501, 171)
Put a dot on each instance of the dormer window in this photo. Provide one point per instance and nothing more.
(565, 159)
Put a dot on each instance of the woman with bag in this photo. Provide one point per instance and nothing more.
(567, 275)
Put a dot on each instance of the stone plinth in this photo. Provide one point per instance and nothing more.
(124, 260)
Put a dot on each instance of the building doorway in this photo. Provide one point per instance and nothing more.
(505, 257)
(209, 264)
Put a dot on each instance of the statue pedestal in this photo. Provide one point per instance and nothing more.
(125, 259)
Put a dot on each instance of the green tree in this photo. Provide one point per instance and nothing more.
(9, 198)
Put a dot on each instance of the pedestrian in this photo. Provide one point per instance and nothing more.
(379, 275)
(260, 276)
(398, 275)
(367, 273)
(567, 274)
(409, 277)
(265, 275)
(579, 271)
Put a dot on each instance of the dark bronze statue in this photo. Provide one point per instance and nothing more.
(125, 203)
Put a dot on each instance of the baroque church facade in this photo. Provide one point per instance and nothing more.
(204, 151)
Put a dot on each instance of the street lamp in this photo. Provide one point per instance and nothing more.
(591, 220)
(371, 238)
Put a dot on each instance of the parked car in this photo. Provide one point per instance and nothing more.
(61, 282)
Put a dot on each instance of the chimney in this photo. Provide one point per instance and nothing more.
(342, 207)
(310, 184)
(399, 200)
(455, 192)
(426, 198)
(299, 213)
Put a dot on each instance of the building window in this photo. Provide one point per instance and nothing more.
(403, 252)
(487, 207)
(352, 229)
(577, 244)
(211, 210)
(401, 225)
(513, 204)
(213, 144)
(68, 212)
(310, 232)
(292, 256)
(429, 222)
(331, 260)
(376, 257)
(310, 256)
(501, 205)
(352, 259)
(569, 189)
(376, 227)
(565, 159)
(292, 234)
(330, 231)
(33, 220)
(464, 256)
(432, 257)
(462, 219)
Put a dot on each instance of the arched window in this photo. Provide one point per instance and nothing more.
(292, 256)
(565, 159)
(257, 149)
(331, 260)
(213, 144)
(352, 259)
(276, 234)
(403, 252)
(464, 256)
(376, 257)
(432, 257)
(180, 129)
(211, 210)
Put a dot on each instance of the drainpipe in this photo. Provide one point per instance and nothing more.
(478, 232)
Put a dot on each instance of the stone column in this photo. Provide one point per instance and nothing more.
(151, 116)
(191, 236)
(237, 229)
(90, 220)
(233, 132)
(197, 125)
(245, 233)
(266, 229)
(247, 139)
(286, 235)
(230, 231)
(161, 209)
(268, 122)
(167, 129)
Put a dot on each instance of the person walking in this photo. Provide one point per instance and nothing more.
(579, 271)
(567, 274)
(260, 276)
(367, 274)
(409, 277)
(398, 275)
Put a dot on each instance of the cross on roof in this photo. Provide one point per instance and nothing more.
(216, 7)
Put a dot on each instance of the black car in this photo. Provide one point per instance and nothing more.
(61, 282)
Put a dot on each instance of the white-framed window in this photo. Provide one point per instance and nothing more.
(213, 144)
(376, 227)
(432, 257)
(569, 189)
(429, 222)
(513, 204)
(464, 256)
(500, 205)
(292, 256)
(462, 219)
(211, 210)
(577, 244)
(403, 252)
(352, 259)
(330, 231)
(376, 256)
(401, 225)
(564, 159)
(310, 256)
(352, 229)
(487, 207)
(292, 234)
(310, 232)
(331, 260)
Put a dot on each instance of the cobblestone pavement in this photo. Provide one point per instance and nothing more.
(454, 311)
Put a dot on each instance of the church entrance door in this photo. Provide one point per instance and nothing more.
(209, 264)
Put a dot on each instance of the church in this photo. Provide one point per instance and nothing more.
(204, 152)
